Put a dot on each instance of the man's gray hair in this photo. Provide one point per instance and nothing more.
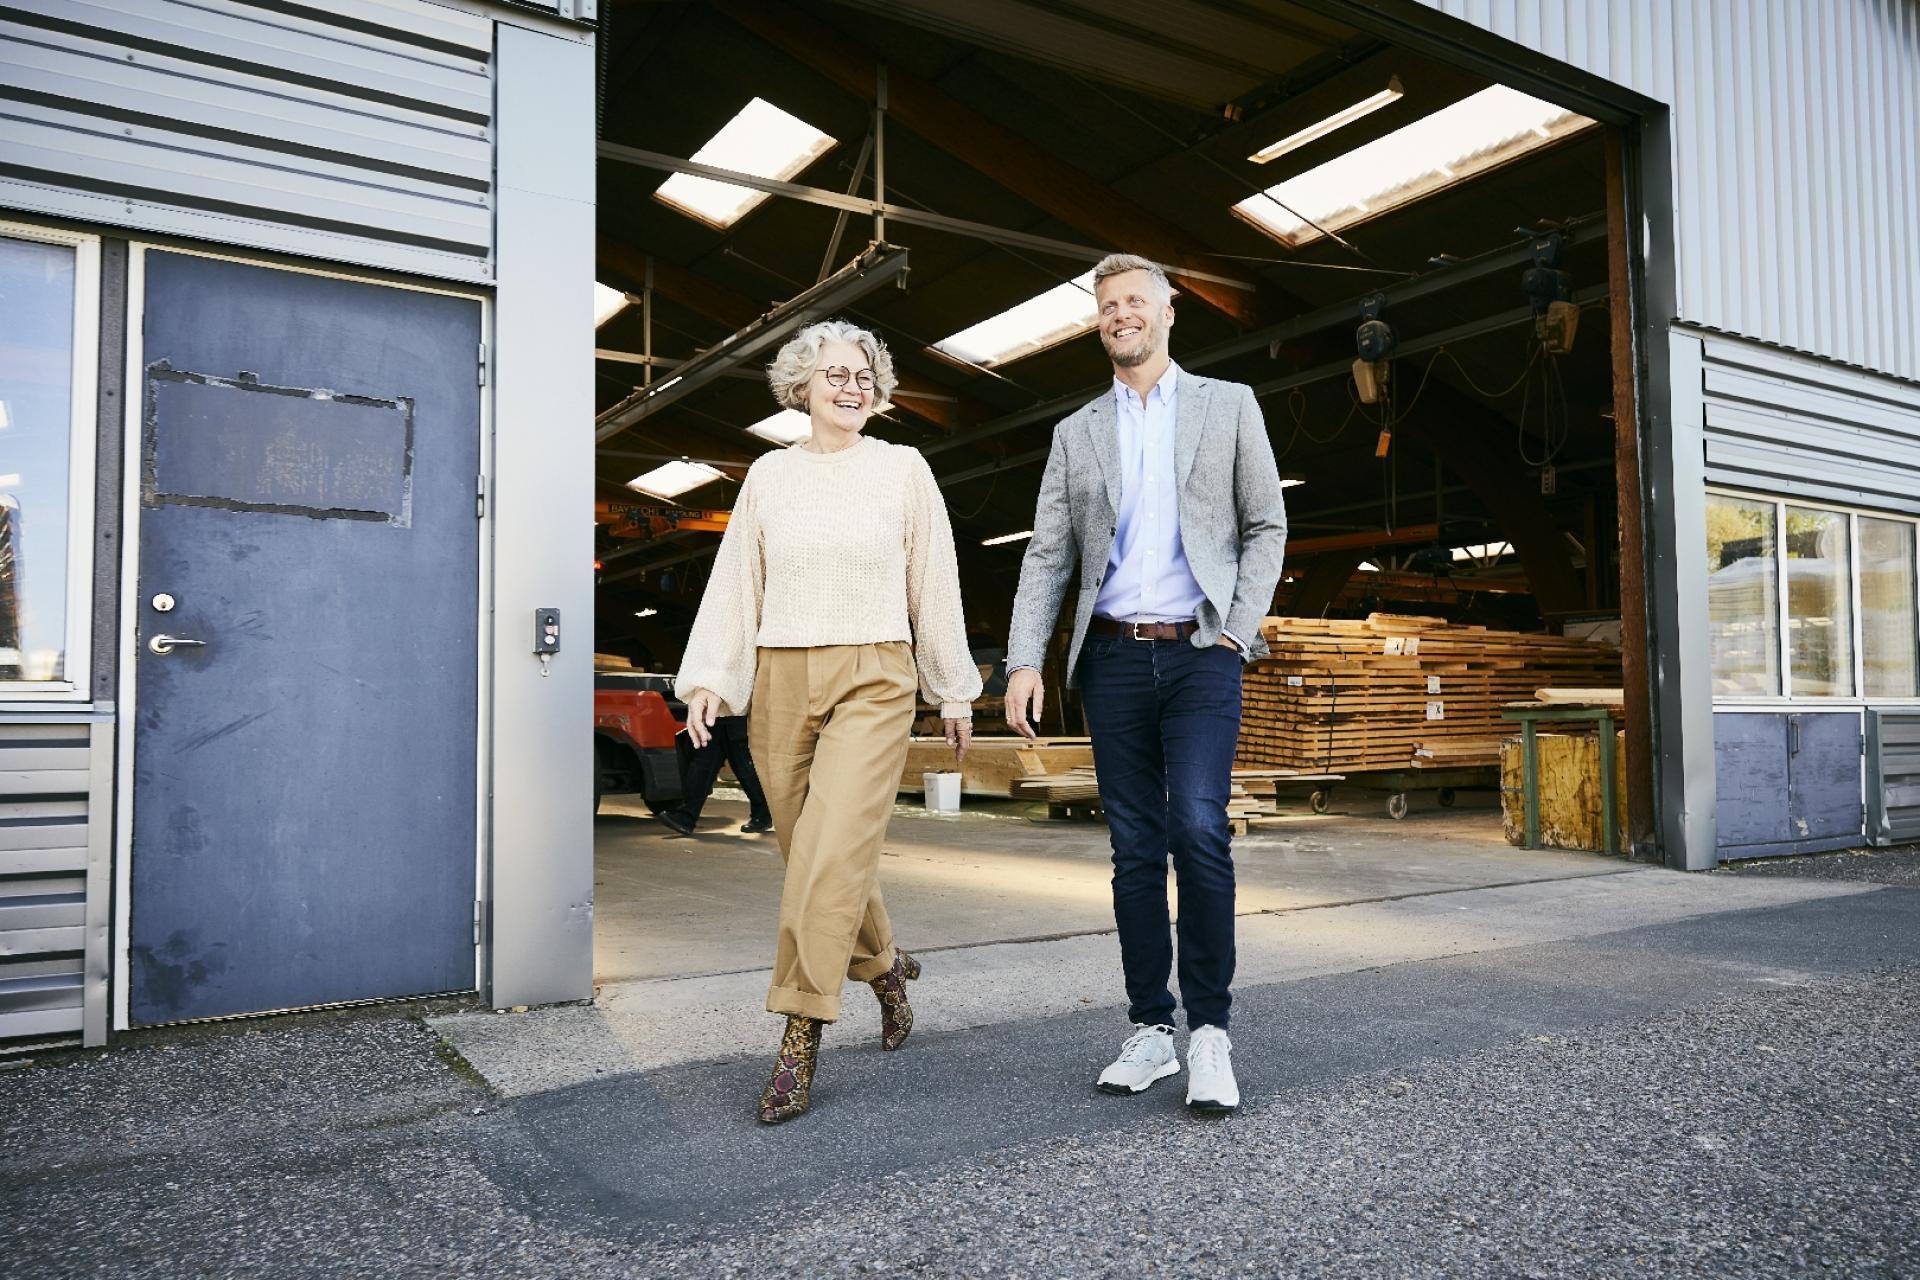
(1116, 263)
(800, 357)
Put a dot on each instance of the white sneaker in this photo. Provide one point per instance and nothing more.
(1148, 1055)
(1210, 1082)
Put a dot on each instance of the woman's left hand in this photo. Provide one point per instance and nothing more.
(959, 737)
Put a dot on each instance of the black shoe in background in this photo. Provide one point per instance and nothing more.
(756, 826)
(676, 819)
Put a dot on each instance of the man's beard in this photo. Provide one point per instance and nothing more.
(1149, 341)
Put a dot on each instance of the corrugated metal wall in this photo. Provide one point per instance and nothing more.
(1794, 152)
(56, 805)
(1792, 425)
(359, 130)
(1893, 776)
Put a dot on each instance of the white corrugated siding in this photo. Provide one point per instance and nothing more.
(1796, 155)
(358, 131)
(1787, 424)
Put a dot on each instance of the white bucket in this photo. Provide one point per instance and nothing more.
(943, 792)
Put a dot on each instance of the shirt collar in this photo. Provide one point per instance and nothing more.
(1168, 386)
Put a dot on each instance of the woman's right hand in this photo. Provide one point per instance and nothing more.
(702, 709)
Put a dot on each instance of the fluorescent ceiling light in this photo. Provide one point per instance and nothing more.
(1006, 538)
(1451, 145)
(1288, 484)
(1347, 115)
(762, 140)
(1483, 551)
(6, 416)
(672, 479)
(1064, 311)
(11, 481)
(789, 426)
(646, 613)
(607, 303)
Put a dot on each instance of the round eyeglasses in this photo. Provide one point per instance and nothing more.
(838, 376)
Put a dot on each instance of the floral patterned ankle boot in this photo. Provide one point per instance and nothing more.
(896, 1015)
(788, 1093)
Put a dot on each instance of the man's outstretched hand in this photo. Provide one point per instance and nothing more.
(1026, 698)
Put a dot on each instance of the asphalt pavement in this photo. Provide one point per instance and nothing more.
(1735, 1094)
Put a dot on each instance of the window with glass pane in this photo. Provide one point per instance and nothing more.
(1743, 600)
(1819, 604)
(1889, 647)
(36, 406)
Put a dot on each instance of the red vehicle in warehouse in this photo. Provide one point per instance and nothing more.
(638, 746)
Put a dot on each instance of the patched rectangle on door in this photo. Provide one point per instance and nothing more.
(244, 445)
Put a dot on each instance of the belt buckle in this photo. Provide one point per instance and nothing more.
(1134, 630)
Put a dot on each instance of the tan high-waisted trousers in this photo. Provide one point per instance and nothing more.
(829, 730)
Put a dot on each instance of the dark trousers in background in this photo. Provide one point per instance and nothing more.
(1165, 719)
(728, 744)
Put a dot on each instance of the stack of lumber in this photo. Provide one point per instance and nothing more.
(1076, 786)
(1243, 807)
(1355, 695)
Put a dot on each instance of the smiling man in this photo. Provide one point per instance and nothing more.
(1162, 496)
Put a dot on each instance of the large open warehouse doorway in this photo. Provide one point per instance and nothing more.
(1425, 274)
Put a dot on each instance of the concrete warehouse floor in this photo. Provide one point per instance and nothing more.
(668, 906)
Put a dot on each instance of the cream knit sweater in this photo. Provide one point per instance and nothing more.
(834, 548)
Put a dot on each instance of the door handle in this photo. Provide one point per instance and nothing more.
(167, 644)
(1793, 737)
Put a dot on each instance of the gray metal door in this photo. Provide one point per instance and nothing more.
(1824, 762)
(1750, 775)
(304, 744)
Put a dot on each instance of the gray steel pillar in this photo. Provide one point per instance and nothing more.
(541, 775)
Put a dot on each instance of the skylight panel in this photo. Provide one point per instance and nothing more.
(762, 140)
(1338, 120)
(607, 303)
(788, 426)
(1451, 145)
(1062, 312)
(668, 481)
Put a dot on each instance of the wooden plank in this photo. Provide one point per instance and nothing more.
(992, 764)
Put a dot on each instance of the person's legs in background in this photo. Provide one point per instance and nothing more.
(740, 757)
(697, 784)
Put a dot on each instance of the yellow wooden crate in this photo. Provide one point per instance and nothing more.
(1569, 790)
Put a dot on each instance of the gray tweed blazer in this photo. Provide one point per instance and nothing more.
(1233, 521)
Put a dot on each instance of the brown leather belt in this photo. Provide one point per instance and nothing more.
(1100, 626)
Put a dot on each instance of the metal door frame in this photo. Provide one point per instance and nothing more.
(129, 604)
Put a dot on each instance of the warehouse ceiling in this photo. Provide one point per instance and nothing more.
(1126, 128)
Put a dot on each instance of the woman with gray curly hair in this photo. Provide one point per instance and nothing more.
(835, 594)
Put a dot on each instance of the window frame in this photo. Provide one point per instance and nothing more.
(82, 444)
(1786, 697)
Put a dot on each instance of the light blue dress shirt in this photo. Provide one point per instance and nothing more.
(1148, 578)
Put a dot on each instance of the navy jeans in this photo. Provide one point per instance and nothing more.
(1165, 718)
